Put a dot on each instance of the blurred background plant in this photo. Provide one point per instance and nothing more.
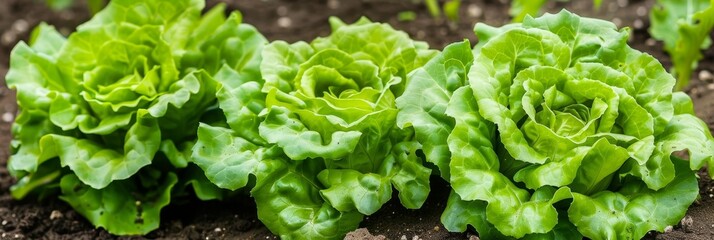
(448, 9)
(521, 8)
(94, 6)
(685, 28)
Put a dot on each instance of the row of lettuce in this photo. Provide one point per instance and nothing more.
(550, 128)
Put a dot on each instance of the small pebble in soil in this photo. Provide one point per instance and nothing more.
(622, 3)
(55, 215)
(217, 230)
(284, 22)
(8, 38)
(333, 4)
(437, 228)
(7, 117)
(404, 237)
(474, 237)
(641, 11)
(21, 25)
(638, 24)
(710, 86)
(687, 223)
(705, 75)
(650, 42)
(4, 222)
(474, 10)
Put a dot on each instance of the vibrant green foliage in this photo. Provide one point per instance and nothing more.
(317, 131)
(108, 114)
(684, 26)
(550, 129)
(555, 128)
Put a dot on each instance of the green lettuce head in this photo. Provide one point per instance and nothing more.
(318, 131)
(108, 113)
(555, 128)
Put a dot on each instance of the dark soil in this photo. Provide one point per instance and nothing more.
(305, 20)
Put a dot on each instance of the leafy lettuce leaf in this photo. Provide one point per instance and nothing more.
(124, 93)
(317, 131)
(557, 122)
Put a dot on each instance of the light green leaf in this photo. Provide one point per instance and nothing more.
(492, 74)
(177, 156)
(423, 105)
(117, 211)
(242, 101)
(96, 164)
(289, 202)
(227, 160)
(204, 188)
(348, 190)
(300, 143)
(144, 13)
(408, 175)
(281, 62)
(635, 210)
(459, 214)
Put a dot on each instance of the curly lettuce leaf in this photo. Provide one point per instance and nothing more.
(98, 165)
(289, 202)
(127, 207)
(299, 142)
(408, 174)
(423, 104)
(330, 112)
(559, 111)
(123, 94)
(228, 161)
(348, 190)
(634, 210)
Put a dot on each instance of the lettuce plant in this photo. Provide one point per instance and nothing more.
(315, 136)
(684, 26)
(556, 129)
(522, 8)
(109, 114)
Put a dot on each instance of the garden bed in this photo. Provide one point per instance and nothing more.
(304, 20)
